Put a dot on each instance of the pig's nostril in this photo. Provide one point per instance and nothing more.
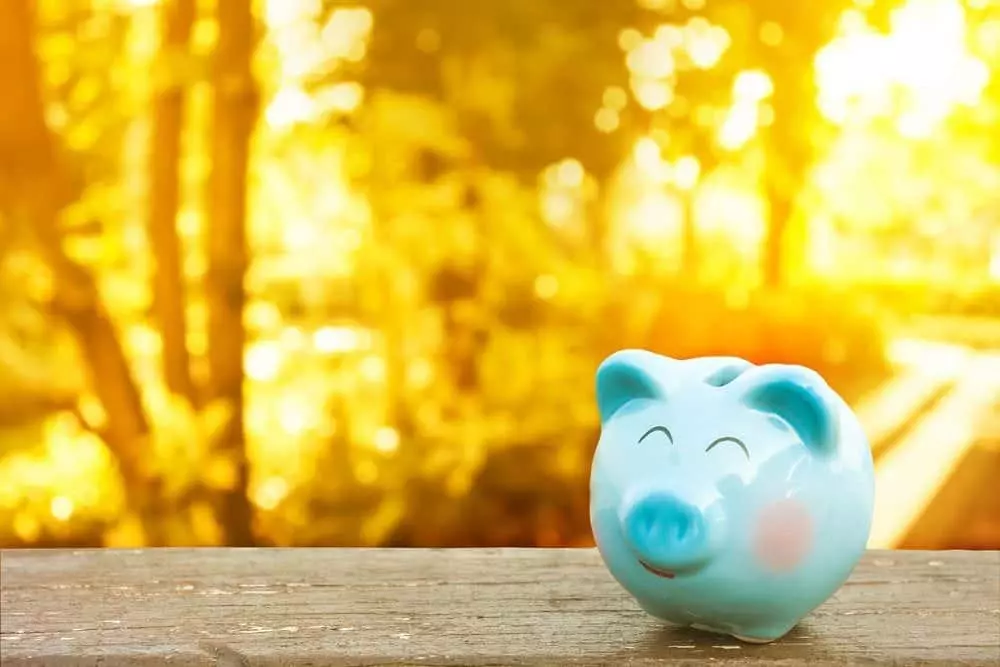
(669, 528)
(682, 527)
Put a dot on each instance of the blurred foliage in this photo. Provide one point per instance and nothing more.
(454, 211)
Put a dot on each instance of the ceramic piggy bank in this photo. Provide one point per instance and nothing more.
(726, 496)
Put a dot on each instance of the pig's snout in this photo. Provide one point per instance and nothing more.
(667, 533)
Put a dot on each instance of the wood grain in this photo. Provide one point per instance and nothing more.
(244, 607)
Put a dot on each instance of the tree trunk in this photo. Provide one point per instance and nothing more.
(234, 115)
(690, 248)
(164, 195)
(780, 208)
(791, 152)
(34, 188)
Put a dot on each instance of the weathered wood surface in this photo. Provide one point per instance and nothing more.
(910, 475)
(547, 607)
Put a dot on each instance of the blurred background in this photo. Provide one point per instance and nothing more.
(315, 272)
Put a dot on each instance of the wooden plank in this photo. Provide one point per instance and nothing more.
(231, 607)
(966, 513)
(976, 331)
(910, 475)
(889, 410)
(925, 372)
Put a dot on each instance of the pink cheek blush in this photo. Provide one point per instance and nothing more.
(783, 535)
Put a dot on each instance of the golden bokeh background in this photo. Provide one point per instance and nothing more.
(315, 272)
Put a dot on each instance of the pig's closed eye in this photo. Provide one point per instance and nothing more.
(729, 439)
(657, 429)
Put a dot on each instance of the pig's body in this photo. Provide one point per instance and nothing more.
(726, 496)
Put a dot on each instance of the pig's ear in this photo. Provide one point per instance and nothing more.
(797, 396)
(625, 376)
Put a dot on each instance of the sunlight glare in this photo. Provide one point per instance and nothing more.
(61, 508)
(372, 368)
(647, 155)
(290, 106)
(282, 13)
(652, 95)
(615, 98)
(546, 286)
(332, 339)
(343, 97)
(705, 43)
(294, 417)
(270, 493)
(861, 73)
(628, 39)
(651, 59)
(728, 204)
(569, 173)
(739, 127)
(299, 235)
(686, 172)
(771, 33)
(670, 34)
(386, 440)
(263, 361)
(606, 120)
(752, 85)
(655, 219)
(558, 207)
(933, 357)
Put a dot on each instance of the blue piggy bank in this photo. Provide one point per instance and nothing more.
(726, 496)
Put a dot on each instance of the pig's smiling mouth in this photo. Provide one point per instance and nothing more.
(666, 574)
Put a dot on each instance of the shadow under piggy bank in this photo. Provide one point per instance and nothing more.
(684, 645)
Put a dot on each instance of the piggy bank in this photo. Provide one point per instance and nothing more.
(726, 496)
